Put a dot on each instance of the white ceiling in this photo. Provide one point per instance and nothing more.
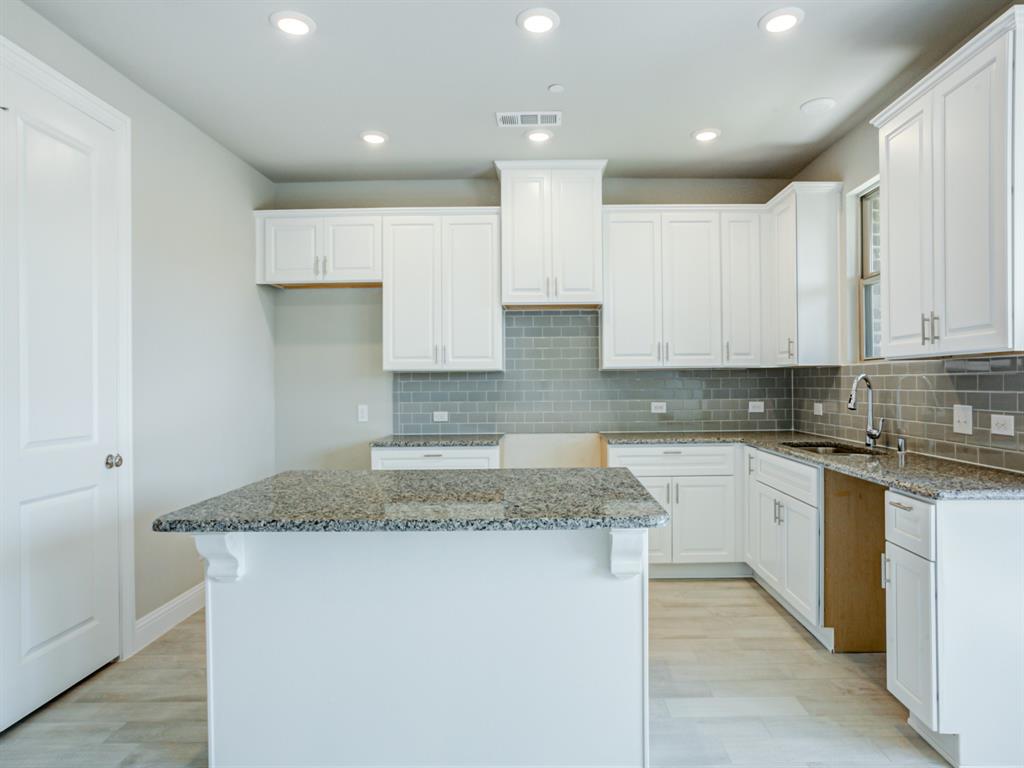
(640, 77)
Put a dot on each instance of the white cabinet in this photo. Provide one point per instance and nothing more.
(313, 247)
(800, 310)
(486, 457)
(799, 523)
(770, 541)
(442, 310)
(741, 288)
(551, 232)
(691, 282)
(631, 318)
(659, 540)
(748, 479)
(704, 519)
(947, 167)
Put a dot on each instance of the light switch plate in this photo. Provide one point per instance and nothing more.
(659, 408)
(755, 406)
(440, 415)
(1002, 424)
(819, 409)
(963, 419)
(363, 412)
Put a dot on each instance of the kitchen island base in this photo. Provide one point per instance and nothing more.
(427, 648)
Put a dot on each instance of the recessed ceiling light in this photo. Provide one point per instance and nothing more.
(817, 106)
(292, 23)
(374, 137)
(539, 135)
(556, 88)
(537, 20)
(781, 20)
(707, 134)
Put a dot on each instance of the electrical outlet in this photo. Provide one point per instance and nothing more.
(440, 415)
(1002, 424)
(659, 408)
(963, 419)
(363, 412)
(819, 409)
(755, 406)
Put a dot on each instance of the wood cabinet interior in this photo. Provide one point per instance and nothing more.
(854, 535)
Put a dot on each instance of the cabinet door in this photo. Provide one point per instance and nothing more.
(659, 540)
(972, 186)
(910, 647)
(291, 248)
(741, 288)
(750, 532)
(525, 237)
(412, 293)
(631, 315)
(905, 172)
(473, 331)
(782, 263)
(352, 250)
(769, 536)
(576, 237)
(800, 556)
(704, 520)
(691, 289)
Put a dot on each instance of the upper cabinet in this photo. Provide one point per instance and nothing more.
(950, 273)
(442, 304)
(800, 276)
(318, 247)
(551, 232)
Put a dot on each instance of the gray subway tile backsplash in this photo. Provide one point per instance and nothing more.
(552, 383)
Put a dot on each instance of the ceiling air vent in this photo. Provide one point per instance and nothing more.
(528, 119)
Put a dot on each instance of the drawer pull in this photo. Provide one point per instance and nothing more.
(901, 505)
(671, 453)
(885, 570)
(433, 455)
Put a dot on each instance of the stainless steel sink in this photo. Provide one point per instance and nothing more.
(835, 448)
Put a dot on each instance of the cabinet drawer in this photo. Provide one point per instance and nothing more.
(910, 523)
(790, 477)
(675, 460)
(435, 458)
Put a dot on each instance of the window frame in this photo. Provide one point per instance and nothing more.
(865, 277)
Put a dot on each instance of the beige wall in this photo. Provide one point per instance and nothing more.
(203, 346)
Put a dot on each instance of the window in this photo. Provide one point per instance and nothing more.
(870, 266)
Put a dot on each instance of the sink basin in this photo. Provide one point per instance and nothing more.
(836, 448)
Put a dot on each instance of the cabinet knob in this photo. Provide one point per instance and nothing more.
(113, 460)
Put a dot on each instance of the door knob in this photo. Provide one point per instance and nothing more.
(113, 460)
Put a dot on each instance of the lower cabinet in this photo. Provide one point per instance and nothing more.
(659, 540)
(704, 520)
(487, 457)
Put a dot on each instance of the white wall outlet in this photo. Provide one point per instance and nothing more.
(363, 412)
(440, 415)
(819, 409)
(1002, 424)
(755, 406)
(963, 419)
(659, 408)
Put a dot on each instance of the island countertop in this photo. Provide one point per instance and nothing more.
(426, 500)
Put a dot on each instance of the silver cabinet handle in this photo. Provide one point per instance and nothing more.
(556, 286)
(671, 453)
(789, 348)
(433, 455)
(444, 354)
(113, 460)
(668, 491)
(901, 505)
(659, 350)
(924, 335)
(775, 511)
(727, 350)
(935, 331)
(782, 517)
(677, 493)
(750, 465)
(547, 287)
(435, 353)
(885, 571)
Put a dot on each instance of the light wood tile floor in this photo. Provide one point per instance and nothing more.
(734, 682)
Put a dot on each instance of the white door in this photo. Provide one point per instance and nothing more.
(631, 315)
(973, 274)
(525, 237)
(352, 249)
(769, 536)
(576, 236)
(741, 289)
(800, 556)
(782, 261)
(473, 333)
(905, 194)
(910, 648)
(691, 289)
(59, 298)
(704, 520)
(292, 248)
(412, 293)
(659, 540)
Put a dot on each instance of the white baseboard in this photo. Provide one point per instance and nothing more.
(167, 616)
(948, 746)
(700, 571)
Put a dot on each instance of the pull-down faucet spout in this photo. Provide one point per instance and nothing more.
(871, 434)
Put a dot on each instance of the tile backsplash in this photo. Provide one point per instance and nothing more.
(552, 383)
(917, 398)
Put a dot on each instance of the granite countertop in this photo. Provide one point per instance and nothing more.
(437, 441)
(924, 476)
(425, 500)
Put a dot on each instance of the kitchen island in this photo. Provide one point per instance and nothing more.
(450, 618)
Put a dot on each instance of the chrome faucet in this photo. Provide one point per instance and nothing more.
(870, 434)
